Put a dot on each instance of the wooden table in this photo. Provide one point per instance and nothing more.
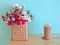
(36, 40)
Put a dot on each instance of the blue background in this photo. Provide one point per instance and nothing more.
(44, 11)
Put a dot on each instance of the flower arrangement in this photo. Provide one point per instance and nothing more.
(17, 15)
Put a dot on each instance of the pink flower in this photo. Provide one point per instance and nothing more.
(20, 12)
(23, 22)
(7, 13)
(3, 17)
(20, 21)
(10, 23)
(24, 17)
(13, 19)
(15, 15)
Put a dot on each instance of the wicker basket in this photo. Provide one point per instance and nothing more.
(20, 32)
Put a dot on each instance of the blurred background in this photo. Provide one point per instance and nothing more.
(44, 11)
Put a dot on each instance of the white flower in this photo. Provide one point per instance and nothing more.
(24, 12)
(14, 6)
(29, 19)
(23, 5)
(20, 7)
(8, 19)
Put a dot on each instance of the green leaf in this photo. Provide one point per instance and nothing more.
(31, 16)
(28, 12)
